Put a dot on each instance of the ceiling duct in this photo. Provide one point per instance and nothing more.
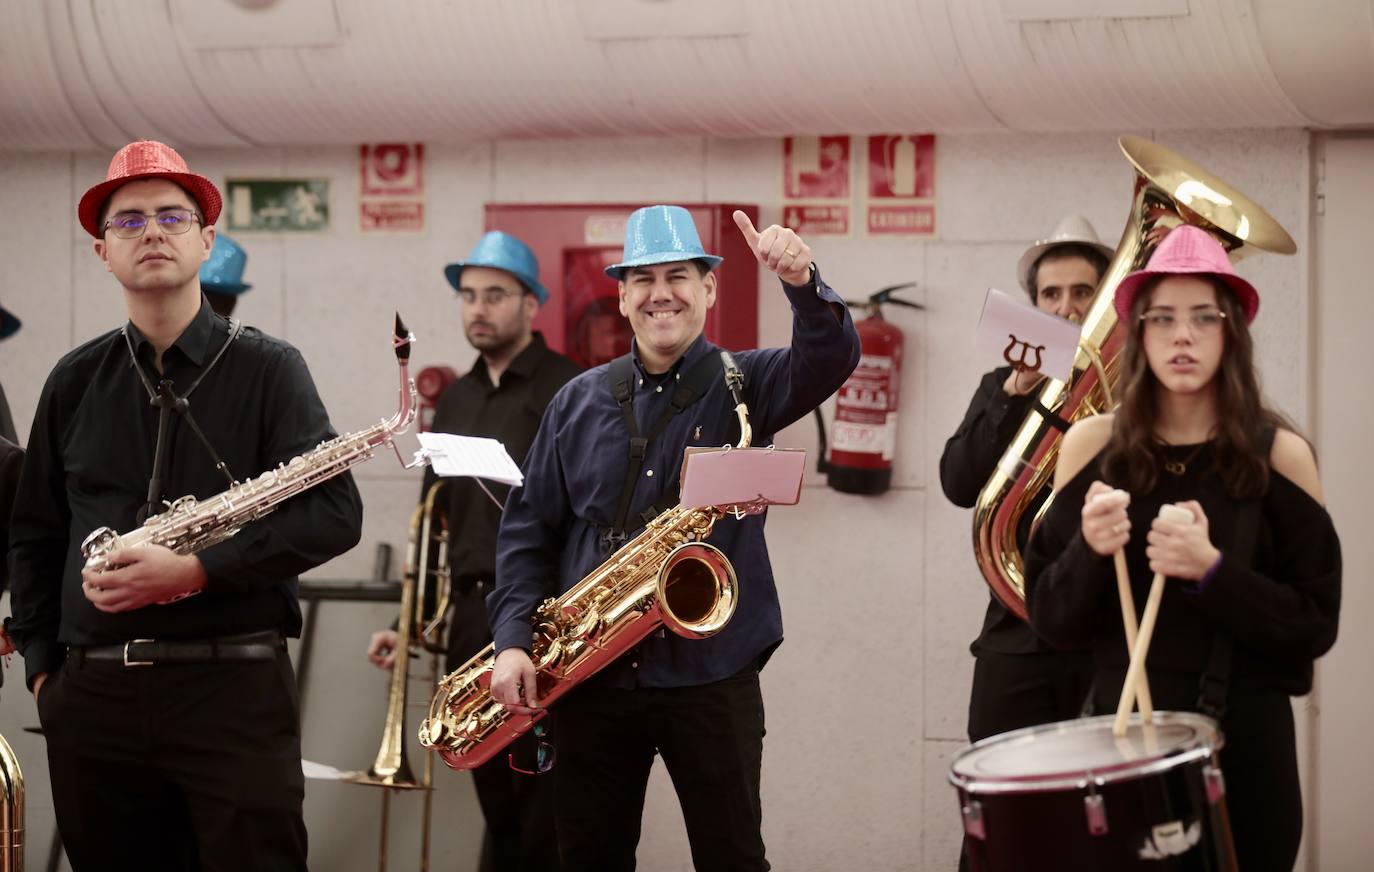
(96, 73)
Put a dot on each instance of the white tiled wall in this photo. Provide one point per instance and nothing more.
(867, 698)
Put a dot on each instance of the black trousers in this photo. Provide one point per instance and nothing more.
(711, 740)
(1011, 691)
(1259, 763)
(176, 766)
(518, 809)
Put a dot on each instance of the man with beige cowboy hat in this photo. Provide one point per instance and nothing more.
(1018, 680)
(163, 685)
(591, 479)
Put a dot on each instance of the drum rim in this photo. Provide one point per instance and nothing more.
(1081, 779)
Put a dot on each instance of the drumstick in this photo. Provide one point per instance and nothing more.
(1136, 671)
(1123, 590)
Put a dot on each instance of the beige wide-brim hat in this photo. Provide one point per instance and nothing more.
(1073, 229)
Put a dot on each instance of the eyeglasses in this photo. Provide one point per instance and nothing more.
(544, 754)
(490, 296)
(1202, 321)
(131, 225)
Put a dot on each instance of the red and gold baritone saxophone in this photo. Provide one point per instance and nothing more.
(664, 576)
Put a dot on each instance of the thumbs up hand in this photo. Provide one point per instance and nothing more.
(779, 249)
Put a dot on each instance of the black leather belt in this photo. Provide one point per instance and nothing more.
(150, 652)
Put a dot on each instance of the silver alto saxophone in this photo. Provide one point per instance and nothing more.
(190, 525)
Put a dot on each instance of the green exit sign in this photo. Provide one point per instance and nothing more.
(276, 205)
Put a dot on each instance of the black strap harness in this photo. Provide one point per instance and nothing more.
(620, 377)
(167, 402)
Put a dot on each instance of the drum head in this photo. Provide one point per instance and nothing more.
(1073, 753)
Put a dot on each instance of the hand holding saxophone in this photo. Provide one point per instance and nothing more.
(1106, 528)
(142, 576)
(1183, 551)
(779, 249)
(513, 682)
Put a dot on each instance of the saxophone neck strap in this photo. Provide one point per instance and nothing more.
(165, 398)
(692, 386)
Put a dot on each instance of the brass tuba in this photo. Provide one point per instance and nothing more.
(1169, 190)
(667, 575)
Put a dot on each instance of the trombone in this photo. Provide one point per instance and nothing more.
(421, 626)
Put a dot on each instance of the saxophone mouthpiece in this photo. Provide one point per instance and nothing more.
(402, 339)
(734, 378)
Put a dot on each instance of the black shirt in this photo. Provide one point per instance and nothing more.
(510, 413)
(11, 459)
(1279, 608)
(89, 461)
(6, 420)
(970, 457)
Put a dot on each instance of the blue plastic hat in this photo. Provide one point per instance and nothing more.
(8, 323)
(223, 272)
(497, 250)
(660, 234)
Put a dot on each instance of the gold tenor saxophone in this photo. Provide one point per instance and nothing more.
(190, 525)
(664, 576)
(1169, 190)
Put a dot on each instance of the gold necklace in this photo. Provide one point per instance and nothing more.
(1179, 467)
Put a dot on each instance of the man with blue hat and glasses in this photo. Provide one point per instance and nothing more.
(696, 703)
(502, 397)
(221, 277)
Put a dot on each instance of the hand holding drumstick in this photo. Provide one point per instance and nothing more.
(1170, 518)
(1106, 529)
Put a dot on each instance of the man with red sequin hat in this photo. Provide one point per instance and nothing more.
(167, 699)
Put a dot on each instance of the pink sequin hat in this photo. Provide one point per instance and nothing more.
(1188, 250)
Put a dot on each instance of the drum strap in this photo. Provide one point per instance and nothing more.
(1212, 688)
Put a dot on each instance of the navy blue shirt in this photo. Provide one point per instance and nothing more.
(550, 536)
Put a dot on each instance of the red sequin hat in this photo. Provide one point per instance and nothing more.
(146, 159)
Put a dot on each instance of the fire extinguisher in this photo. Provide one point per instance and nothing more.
(429, 384)
(865, 430)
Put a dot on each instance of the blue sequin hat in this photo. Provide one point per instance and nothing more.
(8, 323)
(660, 234)
(223, 272)
(497, 250)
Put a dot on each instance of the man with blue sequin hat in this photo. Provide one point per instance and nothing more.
(221, 277)
(503, 398)
(591, 483)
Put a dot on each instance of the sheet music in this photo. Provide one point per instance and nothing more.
(1040, 340)
(476, 456)
(725, 476)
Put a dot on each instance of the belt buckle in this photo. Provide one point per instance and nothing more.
(127, 661)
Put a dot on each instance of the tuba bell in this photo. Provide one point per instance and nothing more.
(1170, 190)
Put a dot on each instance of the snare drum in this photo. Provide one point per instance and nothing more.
(1071, 796)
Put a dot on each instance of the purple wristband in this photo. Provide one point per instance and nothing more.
(1207, 576)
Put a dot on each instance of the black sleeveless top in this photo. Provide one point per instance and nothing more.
(1280, 610)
